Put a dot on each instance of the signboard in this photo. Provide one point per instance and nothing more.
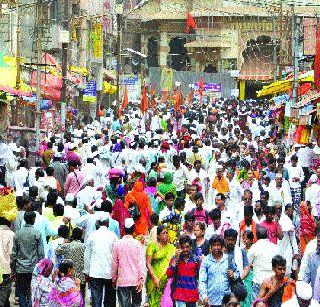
(47, 120)
(234, 73)
(210, 89)
(64, 37)
(235, 92)
(90, 92)
(309, 36)
(133, 87)
(96, 37)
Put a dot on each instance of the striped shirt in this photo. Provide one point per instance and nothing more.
(185, 276)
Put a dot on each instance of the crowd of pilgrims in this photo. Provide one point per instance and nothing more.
(213, 206)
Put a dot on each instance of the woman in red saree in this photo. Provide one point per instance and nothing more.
(307, 225)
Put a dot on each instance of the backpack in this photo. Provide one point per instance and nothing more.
(236, 285)
(134, 211)
(26, 183)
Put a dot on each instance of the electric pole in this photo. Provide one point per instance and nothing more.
(65, 25)
(295, 51)
(18, 78)
(119, 30)
(39, 62)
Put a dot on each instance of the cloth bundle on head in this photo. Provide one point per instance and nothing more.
(128, 222)
(114, 172)
(303, 290)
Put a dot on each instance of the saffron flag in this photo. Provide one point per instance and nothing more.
(144, 100)
(201, 88)
(189, 98)
(191, 23)
(177, 100)
(125, 101)
(317, 60)
(153, 100)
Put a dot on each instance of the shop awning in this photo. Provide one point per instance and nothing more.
(13, 91)
(284, 85)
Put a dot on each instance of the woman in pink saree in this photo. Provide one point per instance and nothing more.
(66, 290)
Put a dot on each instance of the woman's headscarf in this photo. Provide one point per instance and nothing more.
(43, 268)
(167, 185)
(138, 193)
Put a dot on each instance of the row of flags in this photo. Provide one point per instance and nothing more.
(149, 101)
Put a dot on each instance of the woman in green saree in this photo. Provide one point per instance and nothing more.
(158, 257)
(248, 241)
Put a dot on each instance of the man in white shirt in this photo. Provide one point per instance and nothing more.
(91, 171)
(296, 177)
(97, 264)
(288, 246)
(21, 179)
(180, 173)
(311, 194)
(235, 190)
(279, 190)
(305, 155)
(260, 257)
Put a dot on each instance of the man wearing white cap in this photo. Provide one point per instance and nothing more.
(97, 264)
(128, 267)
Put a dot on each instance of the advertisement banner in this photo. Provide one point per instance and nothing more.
(96, 38)
(210, 89)
(309, 36)
(90, 92)
(133, 87)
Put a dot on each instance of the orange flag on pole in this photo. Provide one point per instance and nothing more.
(125, 101)
(189, 98)
(201, 88)
(144, 100)
(153, 100)
(177, 100)
(191, 23)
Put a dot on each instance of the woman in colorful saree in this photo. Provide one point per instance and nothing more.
(159, 255)
(41, 283)
(66, 290)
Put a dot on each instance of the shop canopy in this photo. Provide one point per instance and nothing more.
(283, 86)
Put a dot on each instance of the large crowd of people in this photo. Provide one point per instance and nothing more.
(214, 205)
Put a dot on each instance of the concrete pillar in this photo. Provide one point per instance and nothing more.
(144, 44)
(84, 33)
(164, 49)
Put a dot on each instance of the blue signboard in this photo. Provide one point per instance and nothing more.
(90, 92)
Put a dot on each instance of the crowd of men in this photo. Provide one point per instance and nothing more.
(215, 205)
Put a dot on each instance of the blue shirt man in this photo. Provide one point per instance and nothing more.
(215, 274)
